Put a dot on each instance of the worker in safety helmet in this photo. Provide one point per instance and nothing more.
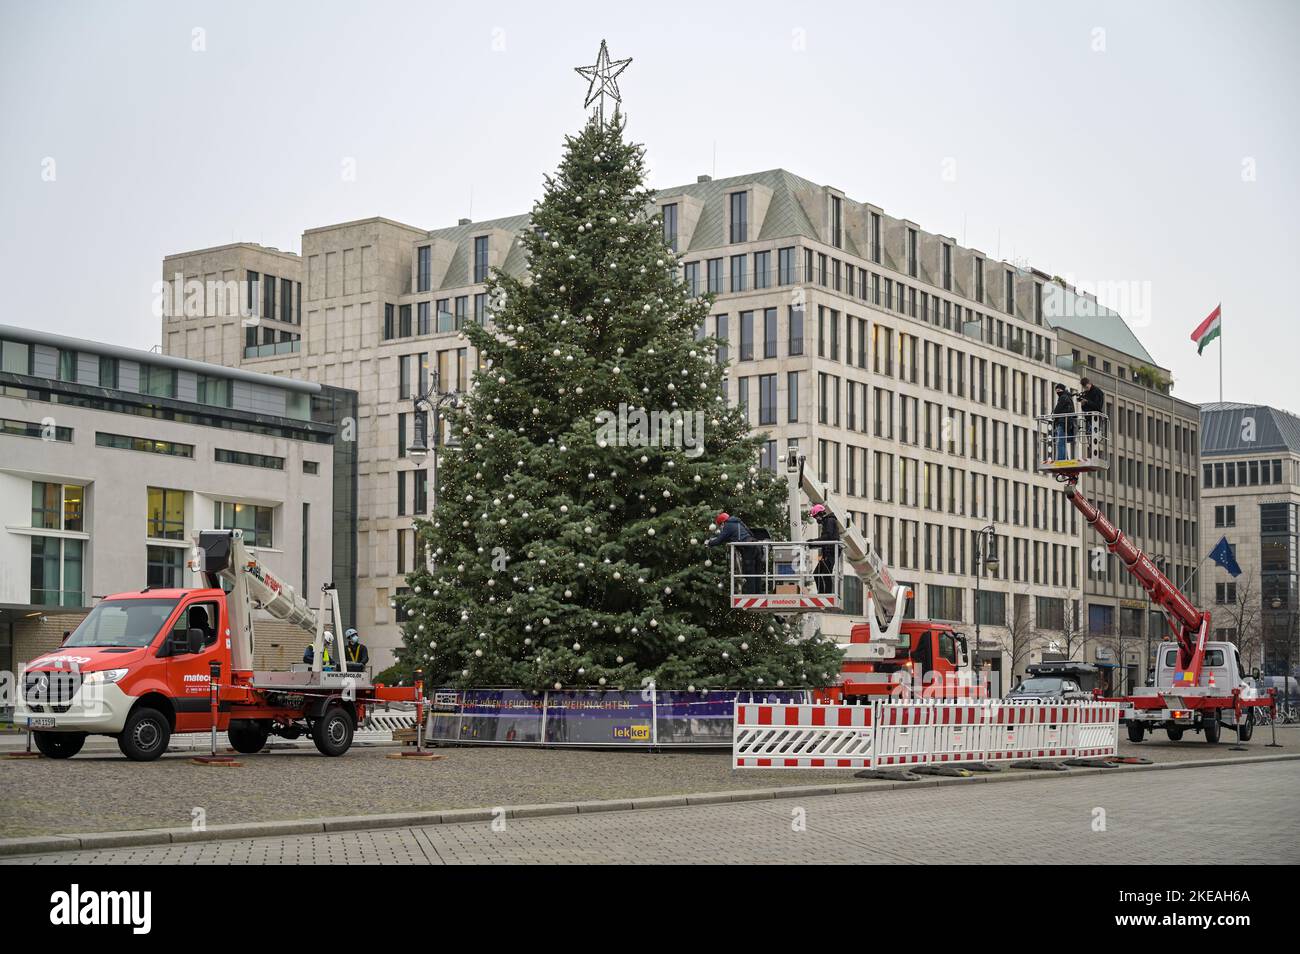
(327, 653)
(733, 530)
(354, 650)
(828, 528)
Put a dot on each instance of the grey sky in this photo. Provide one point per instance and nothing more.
(1129, 163)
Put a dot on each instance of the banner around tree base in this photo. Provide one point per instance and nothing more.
(634, 719)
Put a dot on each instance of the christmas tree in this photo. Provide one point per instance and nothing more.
(567, 541)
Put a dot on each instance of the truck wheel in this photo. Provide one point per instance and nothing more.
(1211, 721)
(1136, 731)
(332, 732)
(59, 745)
(247, 736)
(1175, 733)
(1248, 726)
(145, 735)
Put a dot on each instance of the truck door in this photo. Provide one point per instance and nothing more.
(188, 673)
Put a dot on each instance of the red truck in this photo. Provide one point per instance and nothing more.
(141, 666)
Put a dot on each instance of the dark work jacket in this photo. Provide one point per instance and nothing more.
(1064, 404)
(1093, 400)
(733, 531)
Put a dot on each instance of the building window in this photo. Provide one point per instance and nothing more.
(166, 514)
(722, 333)
(255, 521)
(164, 566)
(35, 429)
(796, 330)
(56, 572)
(715, 276)
(670, 225)
(108, 371)
(480, 259)
(785, 267)
(767, 399)
(58, 506)
(739, 217)
(837, 221)
(979, 280)
(171, 448)
(769, 332)
(992, 608)
(1225, 516)
(420, 479)
(1225, 594)
(311, 467)
(423, 268)
(691, 278)
(156, 381)
(746, 336)
(214, 391)
(1010, 292)
(875, 237)
(390, 322)
(945, 602)
(912, 262)
(422, 320)
(792, 396)
(247, 459)
(762, 270)
(404, 321)
(15, 357)
(67, 366)
(738, 276)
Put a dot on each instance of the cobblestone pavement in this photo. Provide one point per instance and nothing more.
(99, 790)
(1214, 815)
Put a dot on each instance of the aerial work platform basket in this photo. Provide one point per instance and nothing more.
(776, 576)
(1072, 444)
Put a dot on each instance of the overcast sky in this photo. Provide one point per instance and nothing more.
(1149, 147)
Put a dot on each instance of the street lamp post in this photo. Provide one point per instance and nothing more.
(985, 554)
(429, 401)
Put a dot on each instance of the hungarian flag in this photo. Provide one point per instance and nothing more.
(1207, 330)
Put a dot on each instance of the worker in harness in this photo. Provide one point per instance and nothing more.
(355, 651)
(828, 529)
(733, 530)
(327, 653)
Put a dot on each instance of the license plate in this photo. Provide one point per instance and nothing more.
(41, 722)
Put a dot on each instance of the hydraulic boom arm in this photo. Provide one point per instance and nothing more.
(1190, 626)
(222, 556)
(886, 597)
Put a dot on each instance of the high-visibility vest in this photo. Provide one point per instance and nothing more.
(354, 652)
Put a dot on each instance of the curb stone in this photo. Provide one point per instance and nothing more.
(93, 841)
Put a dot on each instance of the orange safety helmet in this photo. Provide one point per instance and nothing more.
(723, 517)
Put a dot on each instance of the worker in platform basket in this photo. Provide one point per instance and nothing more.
(355, 651)
(828, 528)
(733, 530)
(1091, 401)
(1063, 418)
(327, 653)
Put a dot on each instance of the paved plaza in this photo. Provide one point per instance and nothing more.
(1210, 815)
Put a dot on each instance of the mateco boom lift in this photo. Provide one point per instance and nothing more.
(885, 650)
(141, 666)
(1199, 684)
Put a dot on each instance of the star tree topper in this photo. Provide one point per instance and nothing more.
(603, 75)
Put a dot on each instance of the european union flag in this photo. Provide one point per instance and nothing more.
(1222, 555)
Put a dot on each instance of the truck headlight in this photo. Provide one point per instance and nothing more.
(103, 677)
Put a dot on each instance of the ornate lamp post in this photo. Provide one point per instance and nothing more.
(429, 402)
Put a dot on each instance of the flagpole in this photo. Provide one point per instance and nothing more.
(1220, 355)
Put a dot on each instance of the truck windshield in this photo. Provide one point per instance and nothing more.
(1041, 684)
(122, 623)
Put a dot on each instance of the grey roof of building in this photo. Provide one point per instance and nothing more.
(1224, 430)
(31, 336)
(1085, 317)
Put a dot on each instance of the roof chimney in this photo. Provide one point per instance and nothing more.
(462, 221)
(704, 178)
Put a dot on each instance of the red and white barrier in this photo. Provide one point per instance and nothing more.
(920, 732)
(780, 736)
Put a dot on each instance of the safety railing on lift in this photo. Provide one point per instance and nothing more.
(777, 576)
